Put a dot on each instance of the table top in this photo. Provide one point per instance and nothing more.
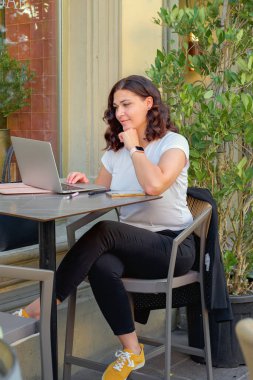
(46, 207)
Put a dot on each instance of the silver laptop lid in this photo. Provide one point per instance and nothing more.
(36, 163)
(38, 167)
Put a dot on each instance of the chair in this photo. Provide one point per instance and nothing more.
(16, 328)
(9, 366)
(201, 212)
(244, 332)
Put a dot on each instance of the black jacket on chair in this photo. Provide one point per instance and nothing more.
(216, 294)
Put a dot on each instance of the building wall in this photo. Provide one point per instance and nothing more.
(90, 67)
(140, 36)
(103, 40)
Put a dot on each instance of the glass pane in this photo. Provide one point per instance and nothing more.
(30, 28)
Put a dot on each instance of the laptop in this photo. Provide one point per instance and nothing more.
(38, 168)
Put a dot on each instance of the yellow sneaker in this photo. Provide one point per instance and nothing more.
(21, 313)
(125, 363)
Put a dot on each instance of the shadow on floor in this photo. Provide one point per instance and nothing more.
(183, 368)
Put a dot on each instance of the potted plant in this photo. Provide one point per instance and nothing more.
(15, 77)
(208, 84)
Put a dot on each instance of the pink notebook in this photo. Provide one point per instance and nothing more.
(20, 188)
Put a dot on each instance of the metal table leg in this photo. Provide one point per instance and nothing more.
(47, 248)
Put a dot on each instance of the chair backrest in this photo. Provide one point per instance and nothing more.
(196, 207)
(244, 332)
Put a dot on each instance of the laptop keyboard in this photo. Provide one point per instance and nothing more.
(70, 187)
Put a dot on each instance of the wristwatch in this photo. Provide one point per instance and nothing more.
(136, 149)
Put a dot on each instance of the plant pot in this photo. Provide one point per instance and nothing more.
(226, 352)
(5, 143)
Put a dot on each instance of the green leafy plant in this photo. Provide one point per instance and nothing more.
(215, 112)
(15, 77)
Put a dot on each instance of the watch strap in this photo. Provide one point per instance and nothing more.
(136, 149)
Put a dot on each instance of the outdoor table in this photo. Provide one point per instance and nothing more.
(46, 209)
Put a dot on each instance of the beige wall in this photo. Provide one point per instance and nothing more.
(65, 85)
(140, 36)
(90, 67)
(103, 40)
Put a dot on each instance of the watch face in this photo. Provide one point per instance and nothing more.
(139, 148)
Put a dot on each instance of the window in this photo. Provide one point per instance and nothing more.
(30, 29)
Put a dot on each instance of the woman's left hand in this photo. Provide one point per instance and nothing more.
(129, 138)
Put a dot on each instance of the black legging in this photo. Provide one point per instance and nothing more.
(111, 250)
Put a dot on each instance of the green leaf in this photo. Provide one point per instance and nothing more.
(246, 100)
(243, 78)
(195, 154)
(250, 62)
(239, 35)
(208, 94)
(163, 12)
(241, 165)
(242, 64)
(249, 174)
(202, 14)
(174, 14)
(220, 35)
(158, 63)
(160, 55)
(182, 59)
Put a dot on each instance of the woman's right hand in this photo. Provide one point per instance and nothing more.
(75, 177)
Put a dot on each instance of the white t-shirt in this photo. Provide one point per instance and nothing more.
(171, 211)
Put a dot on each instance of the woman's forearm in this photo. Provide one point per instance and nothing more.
(155, 179)
(150, 176)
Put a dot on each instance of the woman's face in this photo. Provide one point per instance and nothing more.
(131, 110)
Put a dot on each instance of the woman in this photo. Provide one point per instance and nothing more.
(143, 153)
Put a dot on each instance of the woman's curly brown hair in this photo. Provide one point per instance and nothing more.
(158, 116)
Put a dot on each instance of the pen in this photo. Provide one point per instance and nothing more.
(70, 196)
(99, 191)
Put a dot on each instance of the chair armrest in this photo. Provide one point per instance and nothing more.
(200, 221)
(47, 281)
(197, 222)
(31, 274)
